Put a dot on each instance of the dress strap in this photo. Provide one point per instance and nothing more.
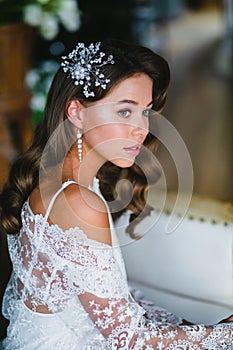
(51, 203)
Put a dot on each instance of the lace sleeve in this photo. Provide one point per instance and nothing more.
(61, 265)
(103, 291)
(122, 322)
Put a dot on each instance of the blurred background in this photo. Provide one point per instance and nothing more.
(195, 36)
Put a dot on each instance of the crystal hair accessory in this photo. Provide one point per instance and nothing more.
(85, 62)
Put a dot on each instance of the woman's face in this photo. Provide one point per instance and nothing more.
(116, 126)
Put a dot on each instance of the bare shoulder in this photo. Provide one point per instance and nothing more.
(78, 206)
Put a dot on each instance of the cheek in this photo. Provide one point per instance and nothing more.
(106, 134)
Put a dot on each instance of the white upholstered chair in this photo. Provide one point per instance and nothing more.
(188, 271)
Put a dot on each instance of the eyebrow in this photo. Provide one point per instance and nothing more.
(133, 102)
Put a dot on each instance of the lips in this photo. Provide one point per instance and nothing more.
(134, 150)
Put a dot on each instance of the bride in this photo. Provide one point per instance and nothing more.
(68, 288)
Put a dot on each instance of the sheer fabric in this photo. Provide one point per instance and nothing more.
(70, 292)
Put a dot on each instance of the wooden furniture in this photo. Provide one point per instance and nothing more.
(15, 126)
(15, 48)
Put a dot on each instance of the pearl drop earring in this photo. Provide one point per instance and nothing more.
(80, 146)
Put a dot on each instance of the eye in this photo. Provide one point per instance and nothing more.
(146, 112)
(125, 113)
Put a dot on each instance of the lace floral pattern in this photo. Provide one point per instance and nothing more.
(153, 313)
(68, 292)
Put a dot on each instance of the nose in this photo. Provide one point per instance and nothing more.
(140, 130)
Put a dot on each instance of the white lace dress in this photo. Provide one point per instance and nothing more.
(68, 292)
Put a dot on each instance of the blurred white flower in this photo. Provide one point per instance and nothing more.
(42, 2)
(32, 79)
(48, 26)
(49, 67)
(32, 15)
(38, 81)
(38, 102)
(69, 15)
(46, 15)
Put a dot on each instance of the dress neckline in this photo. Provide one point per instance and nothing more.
(94, 188)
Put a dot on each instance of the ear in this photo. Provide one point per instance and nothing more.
(73, 110)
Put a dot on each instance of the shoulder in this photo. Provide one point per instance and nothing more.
(77, 206)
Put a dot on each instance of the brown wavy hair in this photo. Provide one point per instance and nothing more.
(129, 59)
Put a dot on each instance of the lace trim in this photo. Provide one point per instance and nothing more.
(53, 268)
(28, 217)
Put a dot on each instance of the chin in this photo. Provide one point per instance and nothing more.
(122, 163)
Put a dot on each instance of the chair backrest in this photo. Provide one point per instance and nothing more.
(188, 271)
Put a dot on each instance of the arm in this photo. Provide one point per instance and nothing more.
(122, 322)
(97, 280)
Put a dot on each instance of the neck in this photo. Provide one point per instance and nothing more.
(83, 172)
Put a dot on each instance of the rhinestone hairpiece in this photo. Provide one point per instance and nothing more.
(84, 62)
